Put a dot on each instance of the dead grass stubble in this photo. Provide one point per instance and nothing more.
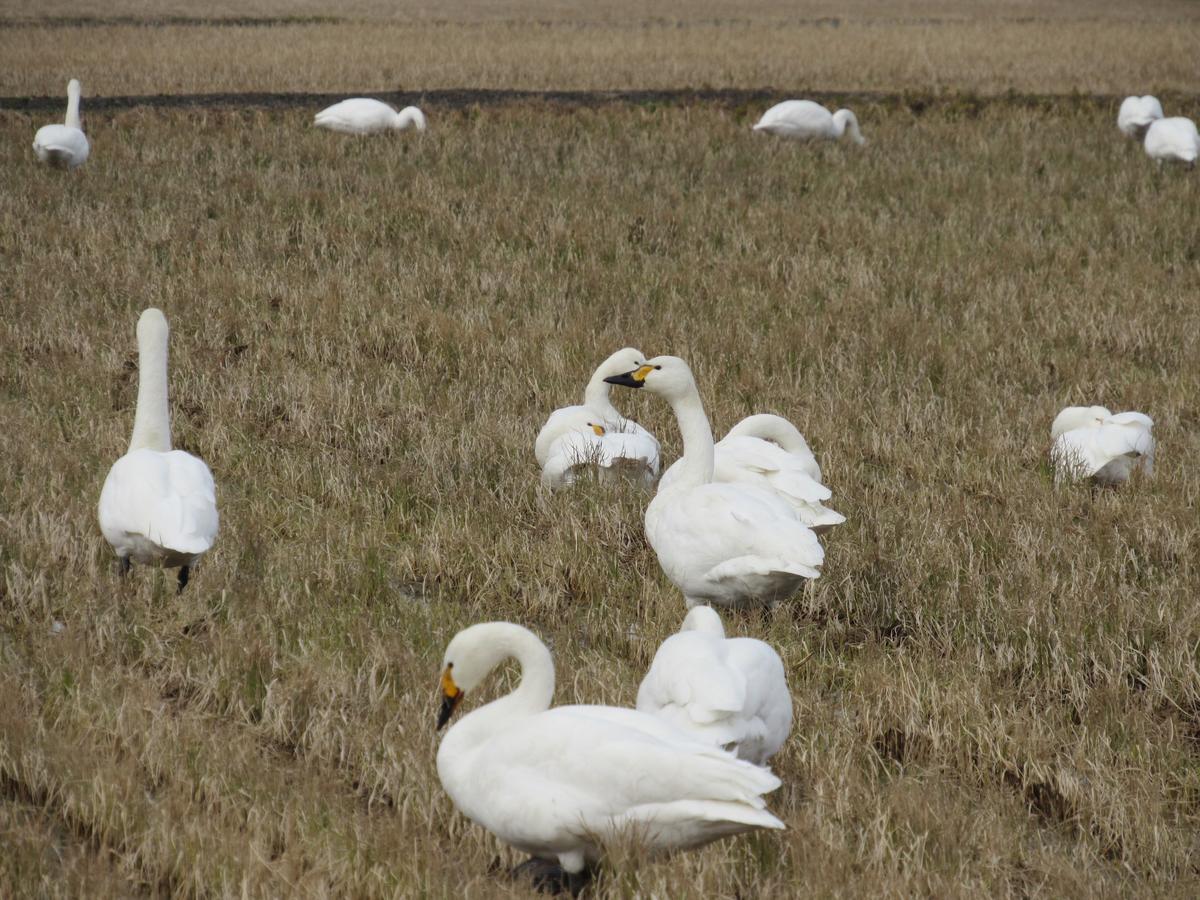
(1002, 694)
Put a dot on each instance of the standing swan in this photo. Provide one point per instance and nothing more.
(64, 145)
(1173, 140)
(554, 783)
(1136, 115)
(725, 544)
(158, 506)
(804, 120)
(361, 115)
(1090, 442)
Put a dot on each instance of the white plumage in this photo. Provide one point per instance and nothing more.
(554, 783)
(64, 145)
(1173, 140)
(731, 692)
(1136, 114)
(362, 115)
(805, 120)
(1091, 442)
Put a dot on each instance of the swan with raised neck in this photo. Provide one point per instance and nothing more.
(152, 421)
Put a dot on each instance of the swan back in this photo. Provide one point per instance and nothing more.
(1136, 114)
(1074, 417)
(799, 119)
(1175, 139)
(844, 120)
(777, 429)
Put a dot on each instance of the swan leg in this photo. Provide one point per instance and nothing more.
(183, 578)
(123, 565)
(548, 878)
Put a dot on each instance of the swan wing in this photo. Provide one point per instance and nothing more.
(800, 118)
(168, 499)
(358, 115)
(61, 144)
(1175, 138)
(757, 461)
(688, 673)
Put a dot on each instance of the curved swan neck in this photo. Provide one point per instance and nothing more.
(410, 115)
(73, 93)
(696, 464)
(844, 120)
(152, 422)
(771, 427)
(596, 397)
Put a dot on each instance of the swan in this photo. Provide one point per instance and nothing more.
(555, 783)
(804, 120)
(361, 115)
(597, 406)
(726, 691)
(585, 443)
(1136, 114)
(1173, 140)
(1091, 442)
(158, 506)
(770, 451)
(720, 543)
(66, 144)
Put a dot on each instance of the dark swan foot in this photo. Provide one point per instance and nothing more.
(551, 878)
(183, 578)
(123, 565)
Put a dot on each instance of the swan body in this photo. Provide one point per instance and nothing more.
(585, 444)
(728, 544)
(770, 451)
(554, 783)
(804, 120)
(158, 506)
(1091, 442)
(1173, 140)
(64, 145)
(361, 115)
(597, 409)
(731, 692)
(1136, 114)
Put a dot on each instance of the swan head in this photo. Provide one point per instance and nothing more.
(1078, 417)
(844, 120)
(410, 115)
(151, 326)
(668, 376)
(624, 360)
(471, 656)
(704, 619)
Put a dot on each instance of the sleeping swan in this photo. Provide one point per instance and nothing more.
(585, 443)
(361, 115)
(158, 506)
(1090, 442)
(728, 544)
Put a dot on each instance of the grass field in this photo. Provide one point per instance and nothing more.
(997, 682)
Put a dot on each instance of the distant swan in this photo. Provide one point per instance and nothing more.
(585, 443)
(158, 506)
(731, 692)
(361, 115)
(1173, 140)
(1091, 442)
(1136, 114)
(555, 783)
(804, 120)
(64, 145)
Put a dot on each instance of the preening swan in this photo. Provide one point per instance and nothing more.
(729, 544)
(1173, 140)
(597, 408)
(158, 506)
(64, 145)
(1136, 114)
(554, 783)
(1091, 442)
(361, 115)
(585, 444)
(804, 120)
(731, 692)
(770, 451)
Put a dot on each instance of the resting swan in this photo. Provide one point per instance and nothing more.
(158, 506)
(361, 115)
(1136, 114)
(1173, 140)
(770, 451)
(554, 783)
(731, 692)
(585, 443)
(66, 144)
(804, 120)
(725, 544)
(1091, 442)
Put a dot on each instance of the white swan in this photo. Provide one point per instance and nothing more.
(731, 692)
(554, 783)
(158, 506)
(1136, 114)
(726, 544)
(770, 451)
(585, 444)
(361, 115)
(597, 408)
(1173, 140)
(805, 120)
(1091, 442)
(66, 144)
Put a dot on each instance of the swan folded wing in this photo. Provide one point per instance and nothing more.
(629, 446)
(744, 566)
(689, 674)
(167, 498)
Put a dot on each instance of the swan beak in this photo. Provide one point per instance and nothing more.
(451, 697)
(634, 379)
(598, 429)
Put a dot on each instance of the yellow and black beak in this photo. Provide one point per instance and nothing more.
(451, 697)
(634, 379)
(598, 429)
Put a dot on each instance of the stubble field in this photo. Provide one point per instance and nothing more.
(996, 681)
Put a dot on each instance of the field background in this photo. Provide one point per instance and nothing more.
(997, 682)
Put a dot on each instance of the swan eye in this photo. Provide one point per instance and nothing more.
(658, 367)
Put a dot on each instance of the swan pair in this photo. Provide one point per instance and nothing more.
(158, 506)
(805, 120)
(65, 145)
(557, 782)
(362, 115)
(1165, 140)
(595, 434)
(1091, 442)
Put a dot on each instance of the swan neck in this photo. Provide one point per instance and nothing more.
(536, 690)
(152, 422)
(72, 119)
(597, 397)
(696, 464)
